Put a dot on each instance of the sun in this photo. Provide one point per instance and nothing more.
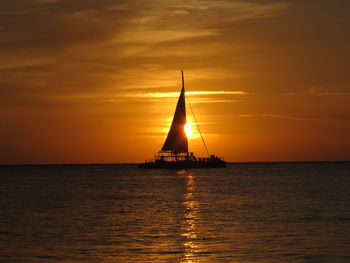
(188, 130)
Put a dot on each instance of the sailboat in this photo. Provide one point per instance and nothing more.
(174, 153)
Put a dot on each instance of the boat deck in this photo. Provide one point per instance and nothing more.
(187, 164)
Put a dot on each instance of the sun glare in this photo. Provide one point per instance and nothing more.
(188, 130)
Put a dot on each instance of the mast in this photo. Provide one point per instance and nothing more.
(183, 81)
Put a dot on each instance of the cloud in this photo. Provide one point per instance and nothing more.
(209, 100)
(189, 93)
(157, 36)
(288, 117)
(317, 94)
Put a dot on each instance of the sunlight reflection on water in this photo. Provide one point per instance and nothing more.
(191, 217)
(297, 212)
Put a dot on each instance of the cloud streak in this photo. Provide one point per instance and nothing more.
(289, 117)
(317, 94)
(188, 93)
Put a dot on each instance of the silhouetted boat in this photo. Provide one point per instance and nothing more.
(174, 153)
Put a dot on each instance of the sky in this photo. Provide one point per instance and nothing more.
(85, 81)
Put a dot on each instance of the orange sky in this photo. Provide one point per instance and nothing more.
(94, 81)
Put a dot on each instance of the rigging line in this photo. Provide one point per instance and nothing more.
(197, 125)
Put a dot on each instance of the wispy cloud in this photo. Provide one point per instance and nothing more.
(176, 94)
(209, 100)
(279, 116)
(157, 36)
(317, 94)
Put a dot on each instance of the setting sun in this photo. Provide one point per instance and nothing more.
(188, 130)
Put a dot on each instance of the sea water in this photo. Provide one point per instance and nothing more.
(248, 212)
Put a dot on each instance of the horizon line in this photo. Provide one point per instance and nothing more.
(135, 163)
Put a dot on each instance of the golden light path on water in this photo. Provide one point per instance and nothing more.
(191, 218)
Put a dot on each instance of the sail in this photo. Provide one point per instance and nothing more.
(176, 140)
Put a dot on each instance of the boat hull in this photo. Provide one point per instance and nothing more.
(182, 165)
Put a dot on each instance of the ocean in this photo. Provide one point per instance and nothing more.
(248, 212)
